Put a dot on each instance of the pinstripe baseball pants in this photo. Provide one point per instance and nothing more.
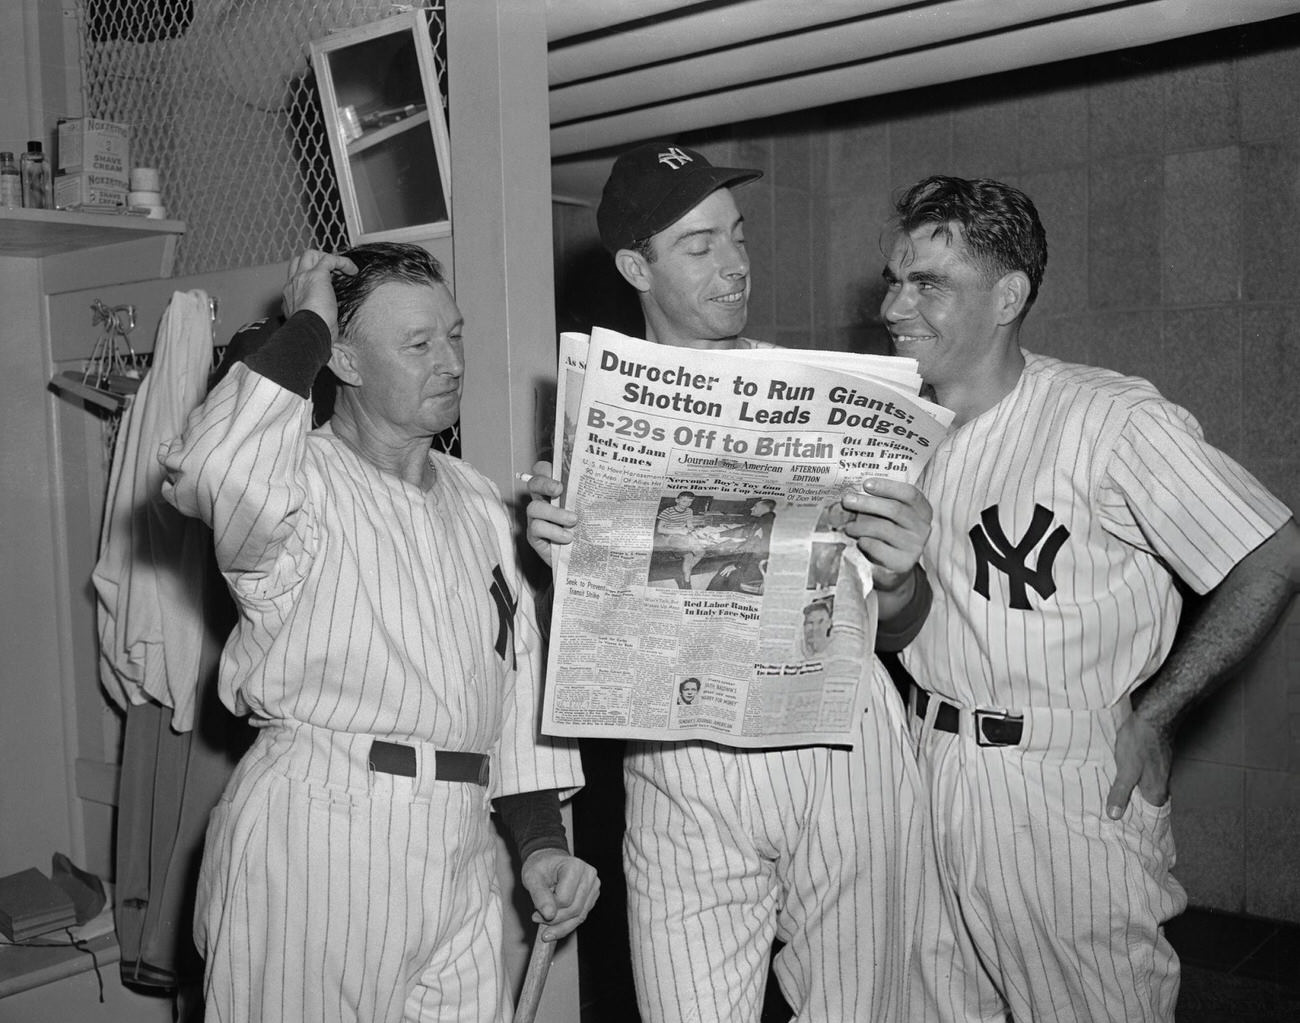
(330, 892)
(1050, 908)
(728, 849)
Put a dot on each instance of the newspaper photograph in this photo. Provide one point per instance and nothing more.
(710, 592)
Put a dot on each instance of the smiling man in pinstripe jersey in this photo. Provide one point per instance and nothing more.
(388, 651)
(1072, 505)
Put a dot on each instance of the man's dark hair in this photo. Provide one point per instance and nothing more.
(645, 248)
(1000, 228)
(381, 263)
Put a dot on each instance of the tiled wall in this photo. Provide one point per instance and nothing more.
(1168, 179)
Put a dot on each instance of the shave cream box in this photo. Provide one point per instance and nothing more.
(87, 145)
(73, 190)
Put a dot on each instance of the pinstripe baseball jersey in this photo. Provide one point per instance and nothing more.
(369, 606)
(1059, 516)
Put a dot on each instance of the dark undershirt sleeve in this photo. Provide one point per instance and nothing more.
(545, 603)
(533, 820)
(893, 635)
(292, 355)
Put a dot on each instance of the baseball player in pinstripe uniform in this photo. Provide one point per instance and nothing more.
(725, 849)
(388, 651)
(1070, 503)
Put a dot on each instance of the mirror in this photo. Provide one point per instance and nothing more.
(388, 134)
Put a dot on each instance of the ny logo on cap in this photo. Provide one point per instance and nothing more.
(674, 158)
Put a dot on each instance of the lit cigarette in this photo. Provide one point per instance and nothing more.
(524, 477)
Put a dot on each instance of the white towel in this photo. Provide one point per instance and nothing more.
(153, 561)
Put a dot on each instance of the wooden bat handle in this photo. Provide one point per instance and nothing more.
(539, 964)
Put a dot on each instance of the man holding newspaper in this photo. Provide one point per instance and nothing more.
(726, 849)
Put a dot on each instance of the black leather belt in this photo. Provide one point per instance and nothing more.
(395, 758)
(992, 727)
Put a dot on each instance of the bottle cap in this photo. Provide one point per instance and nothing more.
(144, 179)
(33, 147)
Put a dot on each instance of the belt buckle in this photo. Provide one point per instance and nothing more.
(998, 717)
(393, 758)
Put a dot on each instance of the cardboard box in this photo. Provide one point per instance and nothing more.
(87, 145)
(72, 190)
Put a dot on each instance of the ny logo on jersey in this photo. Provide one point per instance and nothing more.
(674, 158)
(506, 605)
(993, 548)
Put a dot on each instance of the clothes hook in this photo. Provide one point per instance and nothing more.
(120, 319)
(124, 318)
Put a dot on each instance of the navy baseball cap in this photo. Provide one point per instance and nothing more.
(653, 186)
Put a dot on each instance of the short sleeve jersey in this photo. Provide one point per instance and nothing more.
(1063, 517)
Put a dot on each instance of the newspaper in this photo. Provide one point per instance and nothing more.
(710, 592)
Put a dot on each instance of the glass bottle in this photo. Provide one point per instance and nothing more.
(11, 183)
(36, 178)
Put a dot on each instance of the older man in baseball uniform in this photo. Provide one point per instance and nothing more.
(1070, 505)
(387, 650)
(725, 849)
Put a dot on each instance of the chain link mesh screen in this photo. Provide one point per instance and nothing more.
(221, 98)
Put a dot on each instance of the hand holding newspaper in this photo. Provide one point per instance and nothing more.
(710, 592)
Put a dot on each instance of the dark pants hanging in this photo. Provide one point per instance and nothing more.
(170, 782)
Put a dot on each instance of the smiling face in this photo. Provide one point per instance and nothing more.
(695, 292)
(406, 348)
(939, 306)
(689, 690)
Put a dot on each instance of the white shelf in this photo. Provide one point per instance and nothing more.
(39, 233)
(372, 138)
(86, 250)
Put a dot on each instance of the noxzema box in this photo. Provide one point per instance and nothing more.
(72, 190)
(88, 145)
